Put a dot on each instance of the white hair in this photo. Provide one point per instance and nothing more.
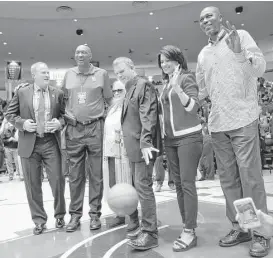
(124, 60)
(119, 83)
(34, 67)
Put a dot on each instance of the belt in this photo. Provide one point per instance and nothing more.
(88, 122)
(44, 136)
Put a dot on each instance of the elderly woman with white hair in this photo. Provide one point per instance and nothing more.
(115, 162)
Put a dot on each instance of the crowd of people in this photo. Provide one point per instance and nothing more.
(121, 145)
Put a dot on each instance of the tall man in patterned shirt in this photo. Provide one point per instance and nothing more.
(86, 89)
(227, 72)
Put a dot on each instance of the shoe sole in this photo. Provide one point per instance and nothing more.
(62, 226)
(253, 254)
(133, 229)
(36, 234)
(116, 225)
(73, 230)
(95, 228)
(142, 248)
(190, 246)
(236, 243)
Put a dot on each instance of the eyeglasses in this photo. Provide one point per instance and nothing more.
(117, 91)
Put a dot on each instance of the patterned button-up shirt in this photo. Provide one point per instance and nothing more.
(229, 80)
(36, 99)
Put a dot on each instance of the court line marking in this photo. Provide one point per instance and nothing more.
(116, 246)
(75, 247)
(47, 231)
(56, 229)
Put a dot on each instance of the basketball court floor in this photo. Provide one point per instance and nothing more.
(17, 240)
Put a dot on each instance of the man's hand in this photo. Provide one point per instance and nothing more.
(53, 125)
(266, 228)
(30, 125)
(147, 154)
(233, 39)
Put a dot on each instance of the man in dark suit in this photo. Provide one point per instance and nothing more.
(36, 111)
(139, 124)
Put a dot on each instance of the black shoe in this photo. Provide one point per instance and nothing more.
(60, 223)
(144, 241)
(132, 225)
(95, 223)
(117, 221)
(39, 228)
(73, 224)
(235, 237)
(134, 234)
(259, 246)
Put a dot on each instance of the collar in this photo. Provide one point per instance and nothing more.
(219, 37)
(37, 88)
(91, 71)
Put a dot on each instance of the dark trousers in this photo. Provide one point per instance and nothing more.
(46, 150)
(143, 182)
(160, 172)
(112, 171)
(239, 166)
(206, 164)
(65, 163)
(85, 141)
(183, 160)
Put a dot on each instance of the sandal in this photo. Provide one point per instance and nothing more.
(181, 246)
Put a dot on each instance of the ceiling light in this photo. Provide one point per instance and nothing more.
(140, 3)
(243, 24)
(161, 38)
(239, 9)
(75, 20)
(64, 9)
(9, 53)
(151, 13)
(157, 28)
(1, 32)
(5, 43)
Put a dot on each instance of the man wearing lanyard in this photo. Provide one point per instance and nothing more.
(227, 72)
(86, 89)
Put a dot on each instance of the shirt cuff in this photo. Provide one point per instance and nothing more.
(241, 57)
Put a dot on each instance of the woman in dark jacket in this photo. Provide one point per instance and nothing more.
(182, 137)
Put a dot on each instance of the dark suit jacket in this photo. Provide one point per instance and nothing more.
(140, 120)
(21, 108)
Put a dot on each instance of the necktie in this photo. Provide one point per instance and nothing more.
(41, 115)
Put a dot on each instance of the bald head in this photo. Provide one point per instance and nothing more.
(83, 56)
(84, 47)
(210, 21)
(211, 9)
